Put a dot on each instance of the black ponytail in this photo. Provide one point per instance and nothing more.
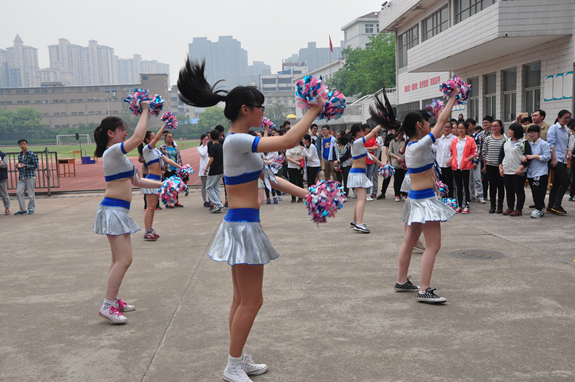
(141, 146)
(196, 91)
(383, 114)
(101, 133)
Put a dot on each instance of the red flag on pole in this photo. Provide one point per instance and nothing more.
(330, 44)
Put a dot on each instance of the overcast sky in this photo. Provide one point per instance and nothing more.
(162, 30)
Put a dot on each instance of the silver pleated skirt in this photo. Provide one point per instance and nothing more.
(423, 210)
(114, 221)
(358, 180)
(149, 191)
(406, 184)
(261, 183)
(242, 243)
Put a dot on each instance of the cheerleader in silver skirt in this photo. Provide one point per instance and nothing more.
(112, 218)
(423, 206)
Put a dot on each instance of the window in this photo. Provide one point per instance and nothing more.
(44, 90)
(62, 101)
(405, 108)
(56, 114)
(467, 8)
(37, 101)
(434, 24)
(532, 86)
(284, 80)
(57, 126)
(19, 102)
(63, 113)
(369, 28)
(473, 102)
(37, 91)
(407, 41)
(55, 101)
(74, 113)
(80, 100)
(509, 94)
(72, 100)
(26, 102)
(45, 114)
(144, 78)
(26, 91)
(107, 90)
(80, 113)
(268, 81)
(490, 86)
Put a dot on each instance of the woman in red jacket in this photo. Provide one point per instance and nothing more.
(463, 150)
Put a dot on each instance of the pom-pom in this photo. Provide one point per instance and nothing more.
(156, 105)
(277, 163)
(450, 202)
(324, 199)
(334, 106)
(386, 171)
(308, 90)
(456, 82)
(171, 188)
(170, 121)
(403, 164)
(184, 172)
(435, 107)
(442, 188)
(135, 99)
(268, 123)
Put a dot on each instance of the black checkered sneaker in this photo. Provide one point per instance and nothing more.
(406, 286)
(430, 297)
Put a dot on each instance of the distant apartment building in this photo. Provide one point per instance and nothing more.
(357, 33)
(131, 68)
(18, 65)
(280, 88)
(180, 108)
(516, 55)
(64, 106)
(313, 57)
(226, 60)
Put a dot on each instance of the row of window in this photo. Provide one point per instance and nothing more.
(76, 113)
(437, 23)
(59, 90)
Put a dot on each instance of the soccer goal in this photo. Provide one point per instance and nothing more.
(71, 139)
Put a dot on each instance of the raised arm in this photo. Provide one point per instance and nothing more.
(437, 130)
(158, 136)
(294, 135)
(140, 131)
(373, 133)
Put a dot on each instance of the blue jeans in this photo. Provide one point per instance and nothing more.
(369, 173)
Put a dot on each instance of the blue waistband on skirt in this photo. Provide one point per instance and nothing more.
(111, 202)
(245, 215)
(421, 194)
(153, 177)
(358, 170)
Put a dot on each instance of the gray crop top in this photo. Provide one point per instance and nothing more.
(151, 155)
(116, 163)
(419, 156)
(242, 162)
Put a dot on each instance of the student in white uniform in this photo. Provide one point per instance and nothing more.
(240, 240)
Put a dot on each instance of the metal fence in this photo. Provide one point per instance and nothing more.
(47, 175)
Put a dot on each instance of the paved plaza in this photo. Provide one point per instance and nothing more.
(330, 312)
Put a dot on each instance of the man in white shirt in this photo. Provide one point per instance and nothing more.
(443, 155)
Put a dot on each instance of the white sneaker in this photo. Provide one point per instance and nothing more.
(252, 368)
(361, 228)
(536, 214)
(481, 200)
(369, 199)
(235, 372)
(419, 245)
(123, 307)
(112, 314)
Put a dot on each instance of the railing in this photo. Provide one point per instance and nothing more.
(47, 175)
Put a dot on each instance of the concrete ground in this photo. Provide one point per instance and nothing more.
(330, 312)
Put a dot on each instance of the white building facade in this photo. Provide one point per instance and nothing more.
(357, 33)
(518, 56)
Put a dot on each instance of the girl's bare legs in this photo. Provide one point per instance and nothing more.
(151, 210)
(432, 234)
(121, 259)
(412, 233)
(359, 207)
(247, 301)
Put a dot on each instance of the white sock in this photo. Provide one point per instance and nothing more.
(233, 360)
(402, 283)
(421, 292)
(107, 304)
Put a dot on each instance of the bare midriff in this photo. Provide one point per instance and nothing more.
(243, 195)
(359, 163)
(119, 189)
(422, 180)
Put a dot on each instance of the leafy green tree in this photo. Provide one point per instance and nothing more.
(367, 70)
(210, 118)
(277, 113)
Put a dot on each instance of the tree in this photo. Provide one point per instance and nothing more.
(367, 70)
(210, 118)
(277, 113)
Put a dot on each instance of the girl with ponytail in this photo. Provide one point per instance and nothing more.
(112, 217)
(154, 159)
(240, 240)
(423, 210)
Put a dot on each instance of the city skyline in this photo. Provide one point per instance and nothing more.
(269, 32)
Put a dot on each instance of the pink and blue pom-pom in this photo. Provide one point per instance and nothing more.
(450, 202)
(268, 123)
(324, 199)
(277, 163)
(435, 107)
(156, 105)
(135, 99)
(442, 188)
(185, 171)
(308, 90)
(447, 88)
(171, 188)
(170, 121)
(386, 171)
(333, 107)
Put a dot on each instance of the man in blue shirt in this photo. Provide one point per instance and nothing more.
(327, 153)
(558, 139)
(27, 165)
